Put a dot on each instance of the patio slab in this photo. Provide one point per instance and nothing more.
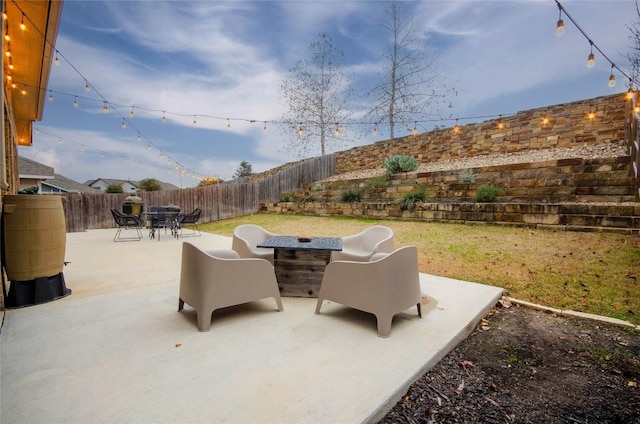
(117, 350)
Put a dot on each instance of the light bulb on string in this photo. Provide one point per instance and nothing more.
(415, 129)
(300, 130)
(612, 78)
(139, 137)
(56, 61)
(164, 118)
(375, 130)
(11, 64)
(59, 140)
(456, 128)
(22, 25)
(9, 77)
(228, 124)
(591, 60)
(194, 120)
(500, 123)
(50, 98)
(131, 112)
(630, 93)
(124, 124)
(337, 129)
(102, 154)
(82, 148)
(8, 51)
(24, 91)
(265, 126)
(6, 34)
(169, 161)
(591, 115)
(161, 155)
(75, 102)
(87, 87)
(105, 107)
(149, 147)
(560, 25)
(545, 121)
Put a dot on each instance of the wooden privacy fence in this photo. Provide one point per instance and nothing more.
(88, 211)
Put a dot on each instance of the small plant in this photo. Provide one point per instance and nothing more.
(410, 199)
(286, 197)
(378, 181)
(400, 163)
(306, 199)
(487, 193)
(351, 194)
(318, 187)
(468, 177)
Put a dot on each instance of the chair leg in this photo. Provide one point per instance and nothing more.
(419, 310)
(384, 325)
(319, 305)
(204, 320)
(180, 304)
(279, 303)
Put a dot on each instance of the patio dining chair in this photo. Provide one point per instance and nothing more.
(123, 222)
(163, 217)
(385, 286)
(220, 278)
(362, 246)
(189, 219)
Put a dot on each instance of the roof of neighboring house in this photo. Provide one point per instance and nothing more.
(68, 185)
(114, 181)
(28, 168)
(111, 181)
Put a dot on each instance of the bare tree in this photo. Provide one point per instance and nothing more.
(316, 94)
(634, 55)
(407, 89)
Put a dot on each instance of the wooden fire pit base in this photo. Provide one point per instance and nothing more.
(299, 272)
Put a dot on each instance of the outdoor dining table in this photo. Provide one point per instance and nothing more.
(162, 217)
(299, 262)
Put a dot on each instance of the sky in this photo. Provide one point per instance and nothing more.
(213, 69)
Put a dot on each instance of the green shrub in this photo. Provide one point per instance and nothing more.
(468, 177)
(378, 181)
(487, 193)
(400, 163)
(410, 199)
(351, 194)
(286, 197)
(306, 199)
(318, 187)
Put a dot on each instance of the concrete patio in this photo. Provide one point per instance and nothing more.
(117, 350)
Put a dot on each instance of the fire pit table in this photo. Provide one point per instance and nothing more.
(299, 262)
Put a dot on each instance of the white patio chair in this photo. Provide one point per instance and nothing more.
(383, 287)
(362, 246)
(245, 239)
(219, 278)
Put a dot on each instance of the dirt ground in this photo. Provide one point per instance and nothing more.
(521, 365)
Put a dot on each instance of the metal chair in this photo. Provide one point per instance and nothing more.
(124, 221)
(189, 219)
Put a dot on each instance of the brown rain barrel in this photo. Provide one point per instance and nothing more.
(35, 236)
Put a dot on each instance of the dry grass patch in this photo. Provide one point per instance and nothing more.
(590, 272)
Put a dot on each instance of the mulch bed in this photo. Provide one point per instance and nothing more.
(521, 365)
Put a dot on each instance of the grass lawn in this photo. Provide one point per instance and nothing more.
(597, 273)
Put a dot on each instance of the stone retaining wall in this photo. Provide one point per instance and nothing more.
(622, 218)
(568, 126)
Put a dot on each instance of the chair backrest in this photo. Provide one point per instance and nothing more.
(190, 218)
(252, 234)
(123, 219)
(379, 238)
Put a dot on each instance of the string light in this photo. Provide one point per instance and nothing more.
(300, 131)
(194, 120)
(105, 107)
(75, 102)
(337, 129)
(228, 124)
(375, 130)
(591, 115)
(56, 61)
(591, 60)
(50, 98)
(612, 78)
(149, 147)
(87, 88)
(124, 124)
(545, 121)
(11, 64)
(22, 25)
(164, 118)
(265, 126)
(500, 123)
(8, 51)
(139, 137)
(415, 129)
(131, 112)
(6, 34)
(560, 24)
(456, 128)
(630, 93)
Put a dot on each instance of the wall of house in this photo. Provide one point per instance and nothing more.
(568, 126)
